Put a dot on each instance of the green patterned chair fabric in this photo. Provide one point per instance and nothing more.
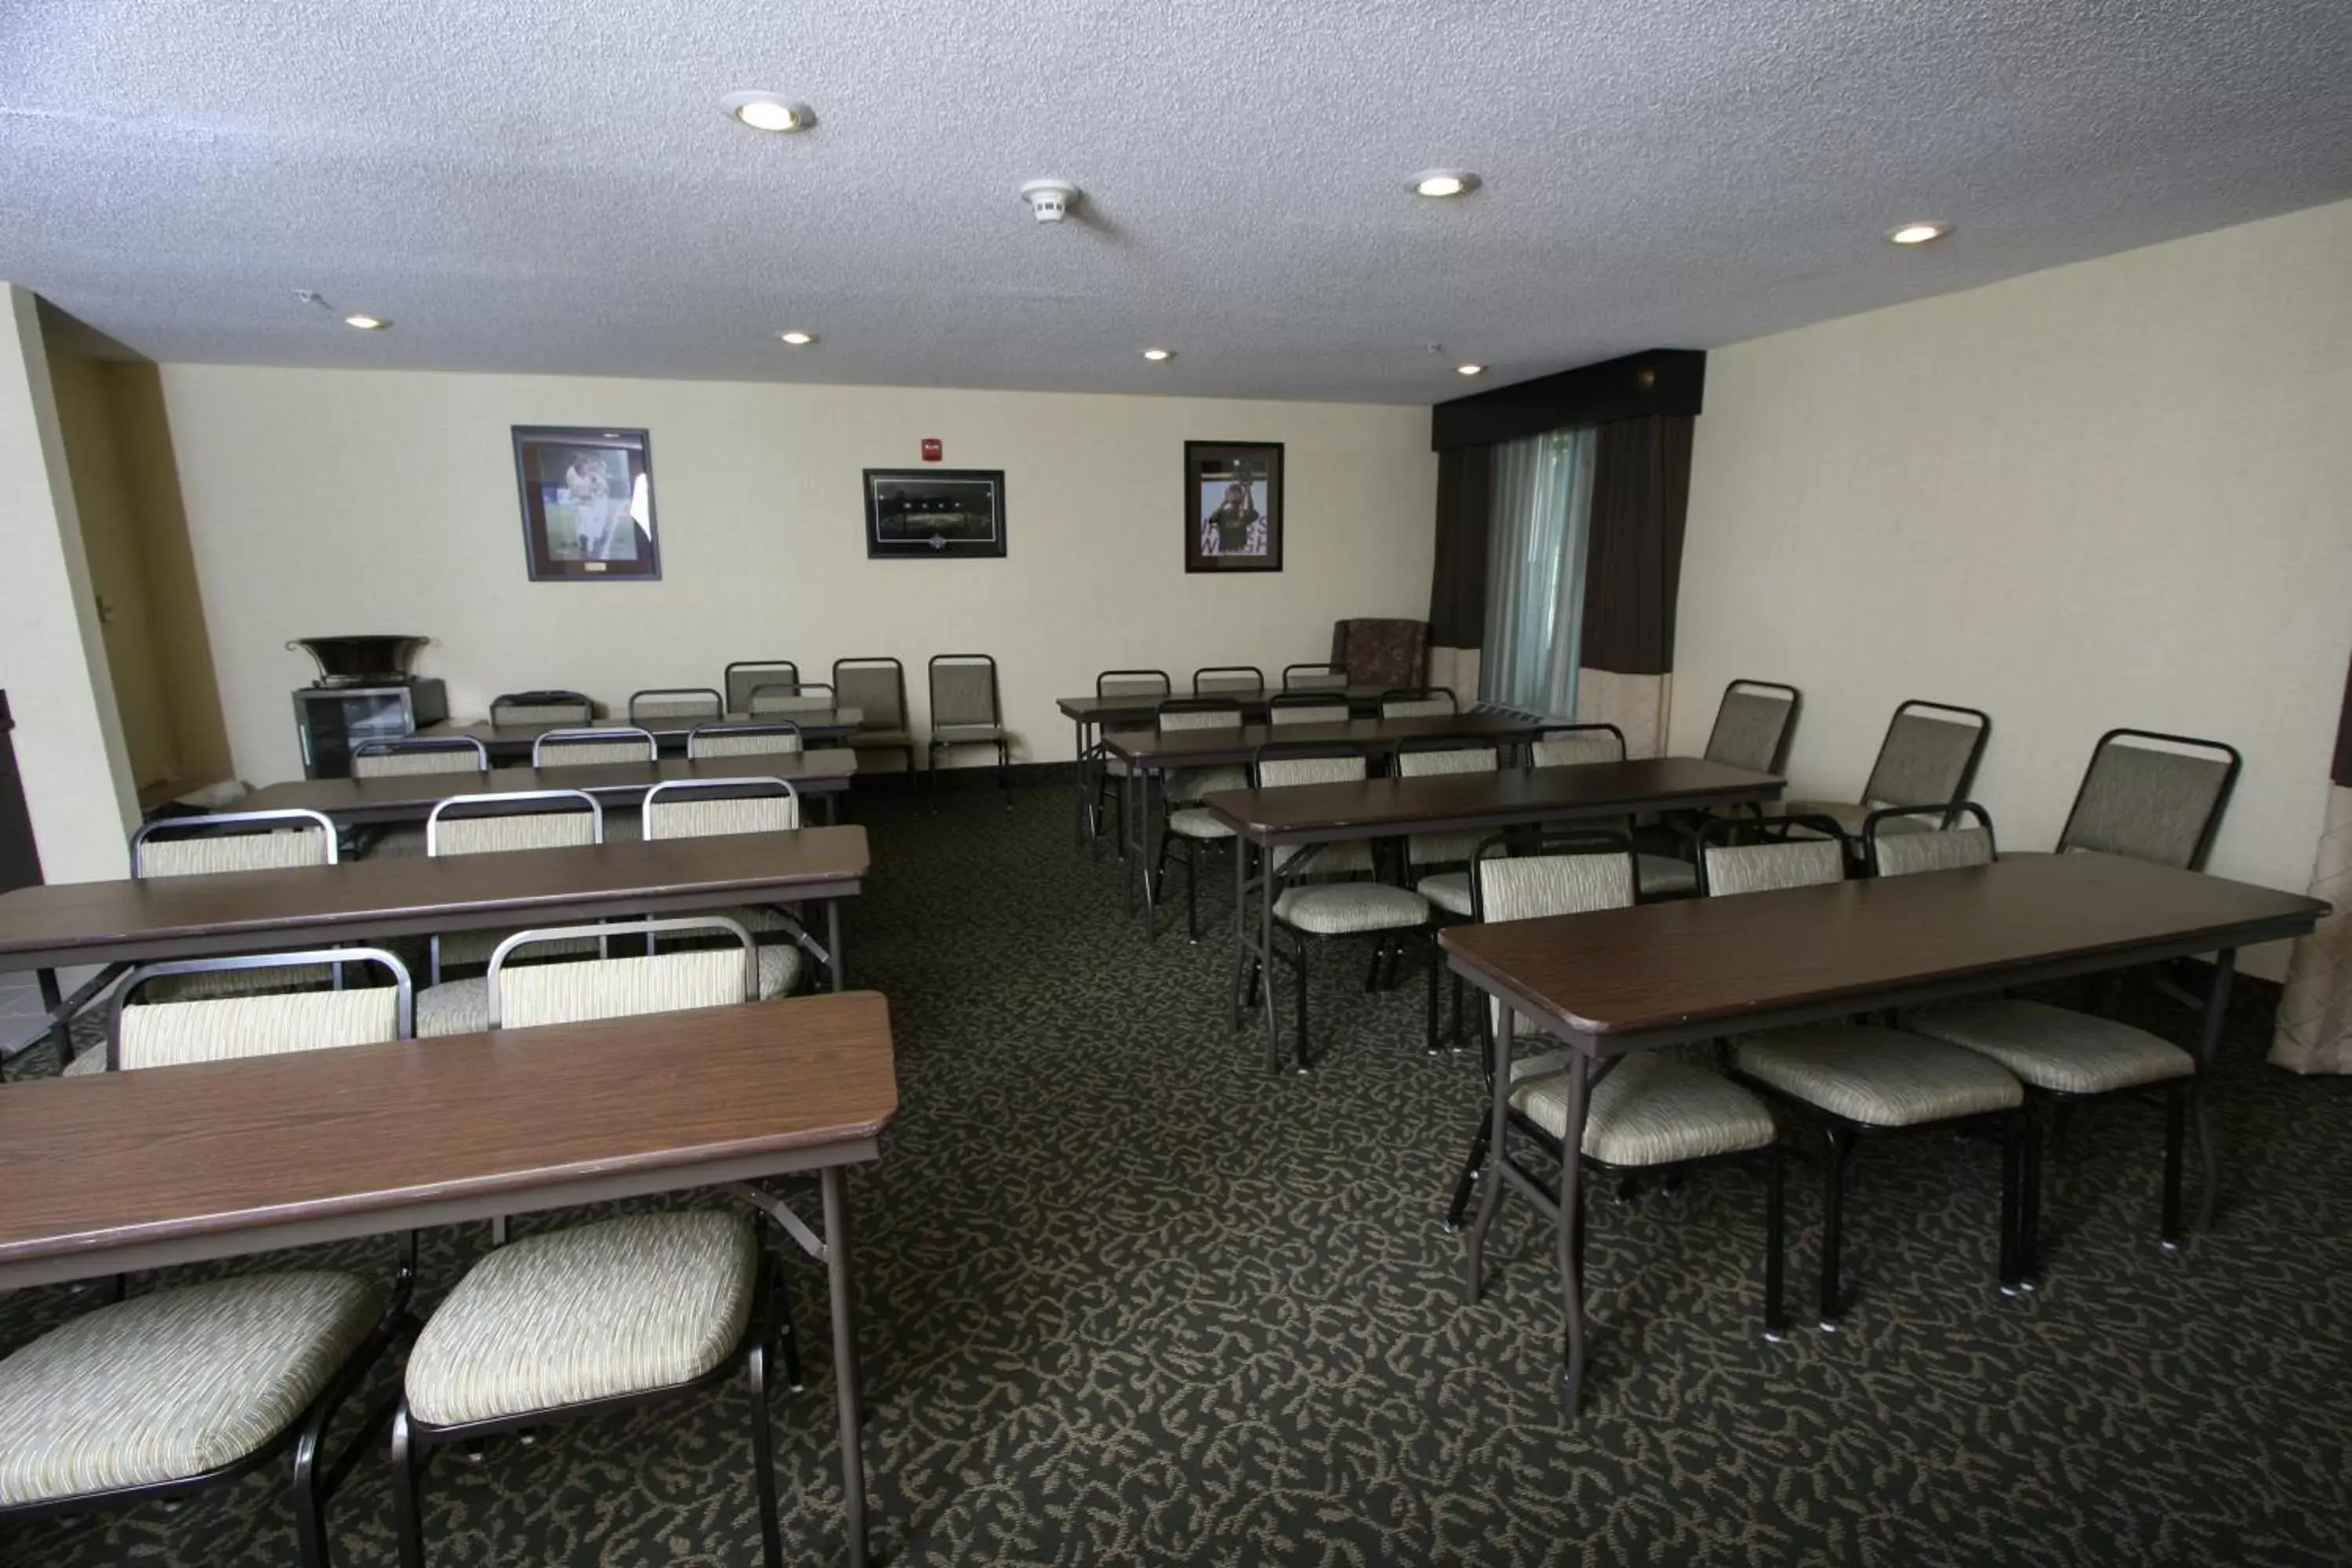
(1444, 848)
(1186, 785)
(1878, 1077)
(503, 713)
(963, 697)
(2055, 1048)
(1766, 868)
(1347, 859)
(1447, 890)
(167, 1386)
(534, 994)
(517, 830)
(1197, 822)
(1948, 849)
(1571, 748)
(1339, 909)
(741, 742)
(1924, 762)
(746, 676)
(592, 753)
(688, 817)
(462, 1006)
(1748, 726)
(683, 704)
(1418, 708)
(784, 701)
(1653, 1108)
(1283, 714)
(266, 850)
(407, 761)
(622, 1306)
(2148, 804)
(171, 1033)
(1536, 887)
(877, 691)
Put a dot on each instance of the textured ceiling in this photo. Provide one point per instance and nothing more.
(551, 184)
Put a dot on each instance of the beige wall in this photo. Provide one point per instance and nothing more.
(53, 662)
(323, 503)
(2116, 493)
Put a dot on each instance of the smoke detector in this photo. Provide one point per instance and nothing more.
(1049, 199)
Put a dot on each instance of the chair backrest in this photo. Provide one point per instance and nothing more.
(746, 676)
(420, 755)
(963, 690)
(877, 687)
(704, 809)
(1240, 679)
(543, 708)
(1279, 764)
(527, 995)
(1314, 678)
(742, 740)
(1198, 713)
(1753, 724)
(1573, 746)
(174, 1033)
(1728, 867)
(797, 697)
(1381, 652)
(1902, 841)
(1304, 708)
(232, 841)
(1446, 755)
(2152, 796)
(1418, 702)
(676, 702)
(1928, 756)
(591, 748)
(488, 824)
(1132, 683)
(1569, 873)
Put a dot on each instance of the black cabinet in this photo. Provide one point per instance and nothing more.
(334, 720)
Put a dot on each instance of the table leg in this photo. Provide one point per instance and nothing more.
(846, 1393)
(832, 943)
(2209, 1047)
(1265, 956)
(1499, 1123)
(1127, 854)
(1241, 931)
(1146, 855)
(1086, 789)
(52, 998)
(1571, 1212)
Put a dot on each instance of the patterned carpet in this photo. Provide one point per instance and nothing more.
(1128, 1298)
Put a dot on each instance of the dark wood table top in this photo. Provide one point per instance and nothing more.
(1684, 966)
(821, 723)
(1140, 710)
(412, 796)
(1445, 801)
(1149, 749)
(233, 912)
(242, 1157)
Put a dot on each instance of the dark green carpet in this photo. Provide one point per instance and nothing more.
(1126, 1298)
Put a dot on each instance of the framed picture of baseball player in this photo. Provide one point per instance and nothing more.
(587, 504)
(1232, 505)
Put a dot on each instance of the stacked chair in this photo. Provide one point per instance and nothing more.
(966, 711)
(1101, 771)
(877, 687)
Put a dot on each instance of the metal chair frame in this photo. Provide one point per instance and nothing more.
(555, 740)
(1001, 742)
(1217, 672)
(168, 827)
(1779, 758)
(403, 1003)
(549, 699)
(1288, 699)
(318, 1476)
(739, 698)
(442, 808)
(1597, 841)
(652, 930)
(1098, 796)
(1948, 817)
(904, 724)
(802, 689)
(717, 703)
(413, 744)
(2234, 763)
(1401, 694)
(1316, 677)
(756, 727)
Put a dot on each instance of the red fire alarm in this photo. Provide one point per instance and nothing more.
(932, 450)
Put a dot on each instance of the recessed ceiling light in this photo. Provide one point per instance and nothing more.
(1444, 182)
(766, 111)
(797, 338)
(1919, 233)
(1157, 356)
(1469, 370)
(366, 323)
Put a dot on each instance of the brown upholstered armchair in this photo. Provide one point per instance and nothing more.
(1380, 652)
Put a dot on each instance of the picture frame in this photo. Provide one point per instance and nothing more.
(934, 514)
(1234, 519)
(587, 498)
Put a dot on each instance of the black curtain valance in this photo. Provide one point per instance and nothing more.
(1666, 382)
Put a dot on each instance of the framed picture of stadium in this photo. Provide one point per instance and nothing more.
(1232, 505)
(934, 513)
(587, 504)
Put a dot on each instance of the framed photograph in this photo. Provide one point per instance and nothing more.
(1232, 505)
(587, 504)
(934, 513)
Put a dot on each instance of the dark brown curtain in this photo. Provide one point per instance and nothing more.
(1640, 495)
(1457, 589)
(2342, 772)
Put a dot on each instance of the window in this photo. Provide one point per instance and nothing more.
(1542, 502)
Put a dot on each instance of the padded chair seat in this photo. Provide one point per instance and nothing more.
(165, 1386)
(1198, 822)
(1116, 766)
(1336, 909)
(454, 1007)
(959, 734)
(622, 1306)
(458, 947)
(881, 737)
(1663, 875)
(89, 1061)
(218, 983)
(1449, 891)
(1878, 1077)
(1188, 785)
(399, 842)
(781, 967)
(1652, 1110)
(2054, 1048)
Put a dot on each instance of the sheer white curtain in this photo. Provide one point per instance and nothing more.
(1535, 571)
